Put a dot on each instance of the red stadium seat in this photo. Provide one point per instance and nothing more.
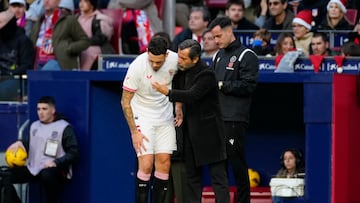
(117, 16)
(160, 6)
(351, 15)
(216, 3)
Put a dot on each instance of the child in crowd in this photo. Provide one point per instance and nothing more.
(261, 43)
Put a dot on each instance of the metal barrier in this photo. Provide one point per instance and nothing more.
(266, 64)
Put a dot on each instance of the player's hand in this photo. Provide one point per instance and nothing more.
(162, 88)
(178, 117)
(49, 164)
(138, 142)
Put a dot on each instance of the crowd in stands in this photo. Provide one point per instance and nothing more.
(71, 34)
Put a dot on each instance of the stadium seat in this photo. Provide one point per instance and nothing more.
(117, 16)
(351, 15)
(260, 195)
(160, 6)
(216, 3)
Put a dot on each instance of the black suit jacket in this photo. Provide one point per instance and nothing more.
(198, 91)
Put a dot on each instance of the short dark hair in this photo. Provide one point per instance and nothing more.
(234, 2)
(323, 36)
(47, 100)
(220, 21)
(158, 46)
(195, 48)
(350, 48)
(166, 36)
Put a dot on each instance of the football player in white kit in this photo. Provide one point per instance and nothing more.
(150, 118)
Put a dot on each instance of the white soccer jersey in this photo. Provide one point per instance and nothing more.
(147, 102)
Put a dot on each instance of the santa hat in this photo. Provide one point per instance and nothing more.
(340, 3)
(304, 18)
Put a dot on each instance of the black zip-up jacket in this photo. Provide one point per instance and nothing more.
(239, 80)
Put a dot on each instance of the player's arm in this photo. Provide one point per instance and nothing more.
(137, 136)
(128, 113)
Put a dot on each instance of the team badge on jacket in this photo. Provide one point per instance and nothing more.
(230, 65)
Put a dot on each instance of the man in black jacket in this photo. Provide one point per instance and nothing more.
(51, 147)
(202, 127)
(17, 55)
(236, 68)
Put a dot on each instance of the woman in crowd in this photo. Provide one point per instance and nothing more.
(284, 43)
(335, 17)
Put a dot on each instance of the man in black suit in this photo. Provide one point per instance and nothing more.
(196, 88)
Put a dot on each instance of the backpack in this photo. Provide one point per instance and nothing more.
(7, 190)
(100, 38)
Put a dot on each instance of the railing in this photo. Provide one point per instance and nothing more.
(266, 64)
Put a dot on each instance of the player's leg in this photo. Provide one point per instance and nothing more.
(143, 175)
(165, 144)
(145, 164)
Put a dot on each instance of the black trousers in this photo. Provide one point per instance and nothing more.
(235, 134)
(218, 173)
(51, 180)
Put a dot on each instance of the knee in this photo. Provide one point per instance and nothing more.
(50, 175)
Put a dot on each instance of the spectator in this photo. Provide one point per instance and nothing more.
(317, 8)
(261, 42)
(236, 68)
(235, 9)
(280, 17)
(59, 37)
(198, 22)
(183, 8)
(257, 12)
(52, 149)
(335, 17)
(16, 57)
(292, 164)
(320, 45)
(284, 43)
(149, 116)
(99, 28)
(209, 47)
(18, 7)
(202, 121)
(301, 29)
